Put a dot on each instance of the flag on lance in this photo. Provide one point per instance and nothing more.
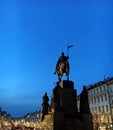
(69, 46)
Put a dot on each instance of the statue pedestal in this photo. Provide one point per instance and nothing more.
(66, 115)
(67, 84)
(87, 121)
(68, 95)
(58, 121)
(64, 98)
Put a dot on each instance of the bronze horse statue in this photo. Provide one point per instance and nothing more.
(62, 67)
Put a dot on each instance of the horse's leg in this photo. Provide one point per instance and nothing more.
(59, 77)
(67, 74)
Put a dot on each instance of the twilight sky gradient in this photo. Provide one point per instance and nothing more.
(33, 33)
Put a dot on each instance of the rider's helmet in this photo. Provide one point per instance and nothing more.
(62, 53)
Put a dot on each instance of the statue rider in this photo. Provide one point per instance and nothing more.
(62, 59)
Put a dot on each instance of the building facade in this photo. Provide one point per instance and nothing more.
(101, 103)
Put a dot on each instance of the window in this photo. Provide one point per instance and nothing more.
(104, 87)
(92, 109)
(94, 91)
(102, 108)
(99, 109)
(98, 99)
(95, 100)
(112, 101)
(107, 108)
(105, 97)
(100, 89)
(97, 90)
(95, 109)
(92, 100)
(102, 98)
(89, 93)
(110, 89)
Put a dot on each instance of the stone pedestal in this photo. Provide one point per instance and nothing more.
(87, 121)
(58, 121)
(68, 95)
(66, 115)
(67, 84)
(65, 98)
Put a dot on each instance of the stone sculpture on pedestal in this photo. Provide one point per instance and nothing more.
(45, 106)
(64, 110)
(66, 115)
(62, 66)
(84, 104)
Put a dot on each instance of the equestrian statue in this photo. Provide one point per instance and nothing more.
(62, 66)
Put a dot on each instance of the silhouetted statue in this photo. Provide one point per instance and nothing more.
(84, 104)
(45, 105)
(62, 66)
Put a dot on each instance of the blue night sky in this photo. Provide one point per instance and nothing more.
(33, 33)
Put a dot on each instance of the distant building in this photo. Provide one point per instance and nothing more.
(34, 116)
(4, 115)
